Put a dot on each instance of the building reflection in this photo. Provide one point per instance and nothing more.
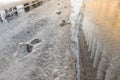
(9, 13)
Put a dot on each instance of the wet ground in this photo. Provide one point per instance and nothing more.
(37, 45)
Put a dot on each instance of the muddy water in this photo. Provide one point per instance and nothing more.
(76, 5)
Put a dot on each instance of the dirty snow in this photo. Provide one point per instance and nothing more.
(49, 59)
(76, 7)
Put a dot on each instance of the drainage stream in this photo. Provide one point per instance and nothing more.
(75, 19)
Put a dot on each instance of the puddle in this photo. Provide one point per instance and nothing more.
(23, 50)
(36, 41)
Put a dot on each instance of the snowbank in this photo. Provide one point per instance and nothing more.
(76, 6)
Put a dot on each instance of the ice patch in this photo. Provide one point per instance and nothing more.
(76, 6)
